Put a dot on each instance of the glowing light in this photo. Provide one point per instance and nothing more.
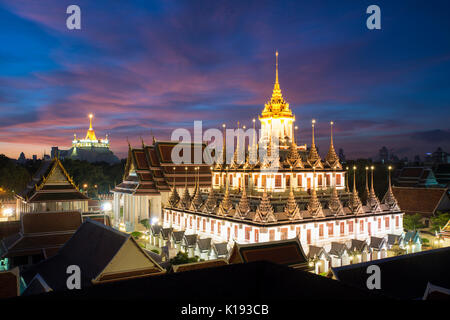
(107, 206)
(8, 211)
(154, 220)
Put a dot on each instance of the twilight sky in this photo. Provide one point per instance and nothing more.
(152, 66)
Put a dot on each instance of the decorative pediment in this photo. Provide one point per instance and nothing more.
(373, 203)
(335, 204)
(185, 200)
(211, 202)
(174, 198)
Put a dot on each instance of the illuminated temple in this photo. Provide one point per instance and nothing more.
(307, 197)
(90, 148)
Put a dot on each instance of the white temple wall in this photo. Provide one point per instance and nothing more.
(306, 231)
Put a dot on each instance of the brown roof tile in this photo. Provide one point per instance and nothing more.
(419, 200)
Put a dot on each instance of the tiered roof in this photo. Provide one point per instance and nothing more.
(103, 255)
(41, 233)
(51, 183)
(150, 170)
(265, 210)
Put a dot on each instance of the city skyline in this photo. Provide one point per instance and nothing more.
(385, 87)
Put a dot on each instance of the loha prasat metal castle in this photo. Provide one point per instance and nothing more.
(307, 197)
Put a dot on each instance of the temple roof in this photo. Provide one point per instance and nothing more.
(103, 254)
(425, 201)
(41, 233)
(51, 182)
(150, 170)
(285, 252)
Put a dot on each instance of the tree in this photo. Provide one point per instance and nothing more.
(182, 258)
(13, 177)
(412, 222)
(439, 221)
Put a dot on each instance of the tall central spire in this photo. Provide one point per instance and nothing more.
(276, 67)
(277, 118)
(276, 94)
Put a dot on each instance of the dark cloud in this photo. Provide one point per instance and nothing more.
(433, 136)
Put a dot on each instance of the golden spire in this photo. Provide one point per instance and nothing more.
(367, 191)
(90, 121)
(291, 207)
(90, 135)
(226, 204)
(197, 200)
(211, 201)
(244, 205)
(236, 159)
(276, 67)
(373, 201)
(224, 148)
(265, 207)
(314, 207)
(313, 157)
(276, 94)
(186, 198)
(276, 106)
(335, 204)
(389, 198)
(332, 157)
(174, 197)
(355, 203)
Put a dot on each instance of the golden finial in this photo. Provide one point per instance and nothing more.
(331, 128)
(90, 120)
(276, 66)
(313, 140)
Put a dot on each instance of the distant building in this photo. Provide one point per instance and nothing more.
(440, 156)
(22, 158)
(88, 149)
(415, 177)
(384, 155)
